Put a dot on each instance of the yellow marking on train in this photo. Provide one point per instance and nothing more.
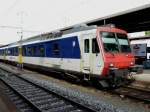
(20, 55)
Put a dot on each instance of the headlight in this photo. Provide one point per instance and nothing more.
(111, 65)
(131, 63)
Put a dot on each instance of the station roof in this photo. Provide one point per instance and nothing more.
(134, 20)
(140, 38)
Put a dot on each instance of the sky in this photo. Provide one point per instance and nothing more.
(40, 16)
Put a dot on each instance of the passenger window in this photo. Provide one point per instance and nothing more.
(95, 48)
(56, 50)
(29, 51)
(41, 51)
(86, 46)
(0, 52)
(16, 51)
(8, 52)
(24, 51)
(34, 51)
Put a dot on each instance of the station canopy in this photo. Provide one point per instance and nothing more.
(134, 20)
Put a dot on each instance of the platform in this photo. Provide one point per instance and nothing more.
(142, 80)
(144, 77)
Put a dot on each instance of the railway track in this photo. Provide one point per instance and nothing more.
(134, 93)
(27, 105)
(30, 97)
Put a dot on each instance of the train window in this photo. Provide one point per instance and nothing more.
(24, 51)
(41, 51)
(56, 49)
(15, 51)
(86, 46)
(148, 49)
(0, 52)
(109, 42)
(8, 52)
(124, 43)
(29, 51)
(12, 51)
(5, 52)
(34, 51)
(95, 48)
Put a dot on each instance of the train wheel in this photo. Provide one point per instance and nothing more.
(100, 84)
(116, 82)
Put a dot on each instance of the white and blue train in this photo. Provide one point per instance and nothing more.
(95, 53)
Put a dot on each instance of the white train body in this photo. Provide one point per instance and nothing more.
(88, 64)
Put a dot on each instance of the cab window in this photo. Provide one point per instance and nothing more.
(95, 48)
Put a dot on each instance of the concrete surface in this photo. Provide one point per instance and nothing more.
(144, 77)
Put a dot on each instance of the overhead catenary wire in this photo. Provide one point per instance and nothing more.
(17, 27)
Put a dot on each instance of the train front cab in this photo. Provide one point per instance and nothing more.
(118, 61)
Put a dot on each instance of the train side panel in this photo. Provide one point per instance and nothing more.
(67, 53)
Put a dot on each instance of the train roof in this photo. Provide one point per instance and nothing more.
(59, 33)
(2, 46)
(52, 34)
(55, 34)
(63, 31)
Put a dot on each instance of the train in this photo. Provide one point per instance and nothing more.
(100, 54)
(140, 47)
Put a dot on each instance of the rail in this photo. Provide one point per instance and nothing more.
(40, 98)
(134, 93)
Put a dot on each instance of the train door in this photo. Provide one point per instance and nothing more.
(92, 60)
(86, 53)
(97, 60)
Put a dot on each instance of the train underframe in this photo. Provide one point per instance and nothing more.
(114, 78)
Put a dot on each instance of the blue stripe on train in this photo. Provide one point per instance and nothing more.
(65, 48)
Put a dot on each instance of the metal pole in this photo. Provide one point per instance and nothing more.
(20, 43)
(104, 22)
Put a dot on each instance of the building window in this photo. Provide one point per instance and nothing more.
(55, 49)
(95, 47)
(86, 46)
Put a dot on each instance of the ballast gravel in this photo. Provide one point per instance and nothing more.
(101, 104)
